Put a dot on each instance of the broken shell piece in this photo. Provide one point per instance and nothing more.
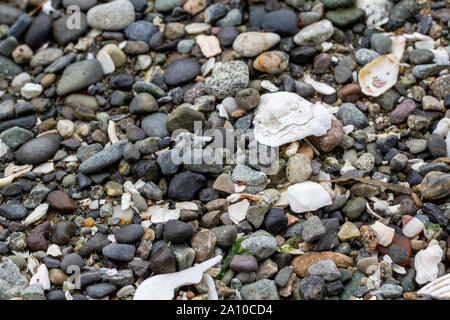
(413, 227)
(385, 234)
(41, 277)
(284, 117)
(379, 75)
(426, 262)
(377, 12)
(307, 196)
(112, 132)
(161, 287)
(266, 84)
(126, 201)
(320, 87)
(44, 168)
(37, 214)
(437, 289)
(12, 172)
(238, 211)
(162, 215)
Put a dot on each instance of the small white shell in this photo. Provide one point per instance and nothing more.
(37, 214)
(238, 211)
(379, 75)
(320, 87)
(162, 286)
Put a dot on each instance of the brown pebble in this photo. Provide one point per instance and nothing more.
(61, 202)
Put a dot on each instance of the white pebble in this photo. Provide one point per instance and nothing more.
(31, 90)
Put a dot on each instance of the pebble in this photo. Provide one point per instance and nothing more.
(221, 84)
(184, 185)
(111, 16)
(251, 44)
(119, 252)
(315, 33)
(103, 159)
(272, 62)
(79, 76)
(313, 229)
(298, 168)
(129, 234)
(282, 22)
(61, 201)
(326, 269)
(349, 114)
(39, 149)
(181, 71)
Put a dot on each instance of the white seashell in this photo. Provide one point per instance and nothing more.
(36, 215)
(31, 90)
(112, 238)
(112, 132)
(385, 234)
(212, 293)
(443, 127)
(377, 12)
(186, 206)
(379, 75)
(208, 66)
(222, 111)
(238, 211)
(3, 148)
(413, 228)
(12, 172)
(447, 142)
(41, 277)
(44, 168)
(285, 117)
(426, 262)
(162, 215)
(161, 287)
(32, 264)
(119, 213)
(437, 289)
(307, 196)
(266, 84)
(54, 250)
(347, 167)
(126, 201)
(320, 87)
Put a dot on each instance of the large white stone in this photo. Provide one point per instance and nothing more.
(284, 117)
(112, 16)
(251, 44)
(426, 262)
(307, 196)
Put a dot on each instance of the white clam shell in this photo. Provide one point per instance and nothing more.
(379, 75)
(284, 117)
(437, 289)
